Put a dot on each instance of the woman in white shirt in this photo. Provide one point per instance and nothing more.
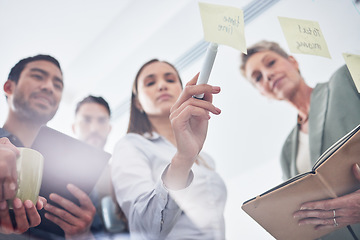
(165, 186)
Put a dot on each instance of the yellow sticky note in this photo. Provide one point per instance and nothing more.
(304, 36)
(223, 25)
(353, 64)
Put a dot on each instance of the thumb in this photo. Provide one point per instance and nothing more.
(356, 171)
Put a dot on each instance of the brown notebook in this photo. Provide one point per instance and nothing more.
(331, 176)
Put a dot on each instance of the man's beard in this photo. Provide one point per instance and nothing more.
(24, 109)
(100, 143)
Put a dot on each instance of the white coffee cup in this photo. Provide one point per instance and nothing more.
(29, 166)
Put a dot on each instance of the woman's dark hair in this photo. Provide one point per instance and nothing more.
(139, 121)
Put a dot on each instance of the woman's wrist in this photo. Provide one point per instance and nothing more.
(177, 174)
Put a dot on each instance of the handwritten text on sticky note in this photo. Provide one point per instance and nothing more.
(304, 36)
(223, 25)
(353, 64)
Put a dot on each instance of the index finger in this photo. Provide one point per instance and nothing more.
(206, 97)
(41, 202)
(179, 101)
(193, 81)
(329, 204)
(22, 223)
(32, 214)
(191, 89)
(83, 198)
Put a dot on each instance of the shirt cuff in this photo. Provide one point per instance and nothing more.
(175, 194)
(188, 182)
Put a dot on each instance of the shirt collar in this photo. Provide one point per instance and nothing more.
(4, 133)
(13, 139)
(152, 136)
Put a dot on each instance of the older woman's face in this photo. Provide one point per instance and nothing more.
(274, 76)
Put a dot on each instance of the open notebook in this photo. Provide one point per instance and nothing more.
(66, 160)
(331, 176)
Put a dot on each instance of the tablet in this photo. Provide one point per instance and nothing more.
(66, 160)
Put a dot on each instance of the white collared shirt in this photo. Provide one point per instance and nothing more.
(303, 162)
(153, 211)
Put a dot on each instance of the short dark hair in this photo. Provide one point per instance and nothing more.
(15, 72)
(93, 99)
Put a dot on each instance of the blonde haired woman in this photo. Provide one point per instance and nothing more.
(325, 114)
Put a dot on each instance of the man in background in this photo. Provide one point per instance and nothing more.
(92, 126)
(92, 121)
(33, 91)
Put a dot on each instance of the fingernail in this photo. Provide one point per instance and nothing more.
(304, 208)
(17, 203)
(52, 196)
(3, 205)
(218, 110)
(46, 207)
(12, 186)
(28, 204)
(40, 204)
(215, 89)
(357, 167)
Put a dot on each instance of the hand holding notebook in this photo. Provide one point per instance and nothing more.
(329, 186)
(335, 212)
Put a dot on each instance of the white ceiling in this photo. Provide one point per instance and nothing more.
(101, 44)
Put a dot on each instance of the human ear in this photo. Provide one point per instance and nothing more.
(9, 87)
(138, 105)
(293, 61)
(73, 128)
(109, 130)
